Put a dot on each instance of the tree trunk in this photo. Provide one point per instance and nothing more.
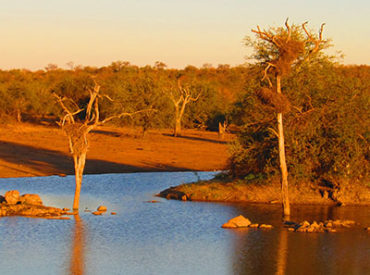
(177, 127)
(79, 162)
(283, 166)
(19, 115)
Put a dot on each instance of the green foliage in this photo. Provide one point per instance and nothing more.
(326, 132)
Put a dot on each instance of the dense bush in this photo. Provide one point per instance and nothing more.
(327, 130)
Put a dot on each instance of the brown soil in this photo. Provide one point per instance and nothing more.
(29, 150)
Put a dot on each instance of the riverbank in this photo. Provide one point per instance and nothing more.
(226, 190)
(28, 150)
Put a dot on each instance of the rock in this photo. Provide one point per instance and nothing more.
(367, 229)
(315, 225)
(172, 194)
(328, 224)
(265, 226)
(237, 222)
(229, 225)
(30, 210)
(304, 224)
(153, 201)
(184, 198)
(12, 197)
(102, 208)
(31, 199)
(291, 229)
(113, 213)
(2, 199)
(97, 213)
(254, 225)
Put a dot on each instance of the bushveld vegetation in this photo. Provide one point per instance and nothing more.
(326, 128)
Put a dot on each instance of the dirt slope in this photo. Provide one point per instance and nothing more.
(28, 150)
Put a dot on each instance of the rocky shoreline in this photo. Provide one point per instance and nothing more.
(28, 205)
(329, 226)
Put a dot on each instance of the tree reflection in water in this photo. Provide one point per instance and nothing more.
(77, 248)
(282, 253)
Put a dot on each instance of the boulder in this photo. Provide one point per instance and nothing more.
(12, 197)
(31, 199)
(237, 222)
(254, 225)
(265, 226)
(102, 208)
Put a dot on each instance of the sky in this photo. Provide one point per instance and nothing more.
(35, 33)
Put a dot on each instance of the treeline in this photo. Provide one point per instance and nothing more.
(28, 96)
(326, 121)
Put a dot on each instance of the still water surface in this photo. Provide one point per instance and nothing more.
(170, 237)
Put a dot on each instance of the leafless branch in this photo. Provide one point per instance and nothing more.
(289, 29)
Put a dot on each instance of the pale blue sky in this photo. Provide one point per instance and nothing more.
(179, 33)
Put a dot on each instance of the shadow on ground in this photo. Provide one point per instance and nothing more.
(50, 162)
(198, 139)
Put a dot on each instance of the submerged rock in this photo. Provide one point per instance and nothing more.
(326, 226)
(97, 213)
(265, 226)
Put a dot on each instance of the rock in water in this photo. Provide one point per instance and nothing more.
(12, 197)
(31, 199)
(265, 226)
(237, 222)
(97, 213)
(102, 208)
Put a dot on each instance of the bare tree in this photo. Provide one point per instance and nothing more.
(184, 96)
(77, 130)
(222, 129)
(284, 49)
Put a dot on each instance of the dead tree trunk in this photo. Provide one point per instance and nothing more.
(77, 132)
(221, 130)
(79, 163)
(180, 103)
(283, 166)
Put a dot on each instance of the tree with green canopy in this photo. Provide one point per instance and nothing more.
(279, 51)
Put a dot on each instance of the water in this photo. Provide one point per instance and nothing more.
(170, 237)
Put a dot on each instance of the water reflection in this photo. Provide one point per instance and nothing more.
(171, 237)
(282, 253)
(77, 262)
(279, 251)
